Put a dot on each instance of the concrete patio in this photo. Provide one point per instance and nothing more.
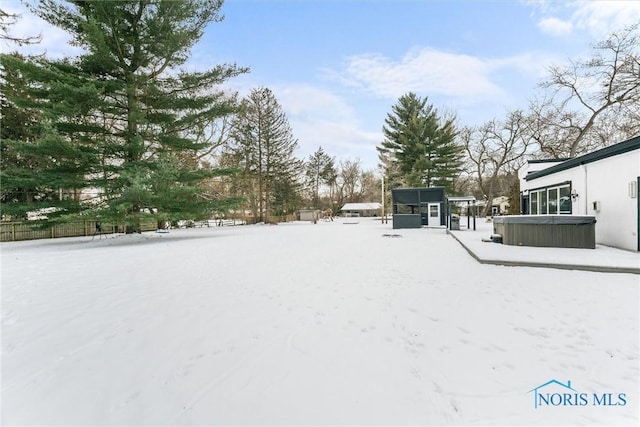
(602, 258)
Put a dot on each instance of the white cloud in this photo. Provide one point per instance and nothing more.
(303, 99)
(555, 26)
(319, 117)
(602, 17)
(474, 88)
(420, 70)
(457, 80)
(526, 66)
(340, 140)
(597, 18)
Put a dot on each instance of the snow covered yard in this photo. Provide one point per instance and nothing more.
(325, 324)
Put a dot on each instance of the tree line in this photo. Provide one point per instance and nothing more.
(122, 131)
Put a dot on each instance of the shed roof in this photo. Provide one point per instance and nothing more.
(461, 199)
(361, 207)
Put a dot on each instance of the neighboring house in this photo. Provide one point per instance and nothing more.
(500, 206)
(361, 209)
(603, 183)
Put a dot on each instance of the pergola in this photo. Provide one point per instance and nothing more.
(471, 203)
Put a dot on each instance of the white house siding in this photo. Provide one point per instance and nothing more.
(605, 181)
(608, 183)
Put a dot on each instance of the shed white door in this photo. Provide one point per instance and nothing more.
(434, 215)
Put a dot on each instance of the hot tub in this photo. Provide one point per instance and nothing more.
(558, 231)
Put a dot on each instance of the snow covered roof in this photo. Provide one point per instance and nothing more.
(361, 206)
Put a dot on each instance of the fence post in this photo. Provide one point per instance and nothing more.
(13, 232)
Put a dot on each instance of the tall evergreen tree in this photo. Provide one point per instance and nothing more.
(47, 153)
(17, 124)
(419, 147)
(319, 170)
(264, 146)
(120, 118)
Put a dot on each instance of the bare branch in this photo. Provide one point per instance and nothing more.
(579, 96)
(9, 19)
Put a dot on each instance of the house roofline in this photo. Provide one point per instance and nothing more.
(439, 187)
(612, 150)
(564, 159)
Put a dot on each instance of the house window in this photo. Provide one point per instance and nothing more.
(551, 200)
(534, 202)
(543, 201)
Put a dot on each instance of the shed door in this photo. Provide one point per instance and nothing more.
(434, 215)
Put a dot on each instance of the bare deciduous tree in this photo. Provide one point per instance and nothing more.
(349, 179)
(493, 149)
(591, 103)
(352, 184)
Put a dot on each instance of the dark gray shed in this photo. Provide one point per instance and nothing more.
(418, 207)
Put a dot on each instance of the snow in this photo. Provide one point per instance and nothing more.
(301, 323)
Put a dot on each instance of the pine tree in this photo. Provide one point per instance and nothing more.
(264, 145)
(419, 148)
(120, 119)
(319, 169)
(17, 125)
(47, 154)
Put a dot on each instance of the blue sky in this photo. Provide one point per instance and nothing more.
(338, 66)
